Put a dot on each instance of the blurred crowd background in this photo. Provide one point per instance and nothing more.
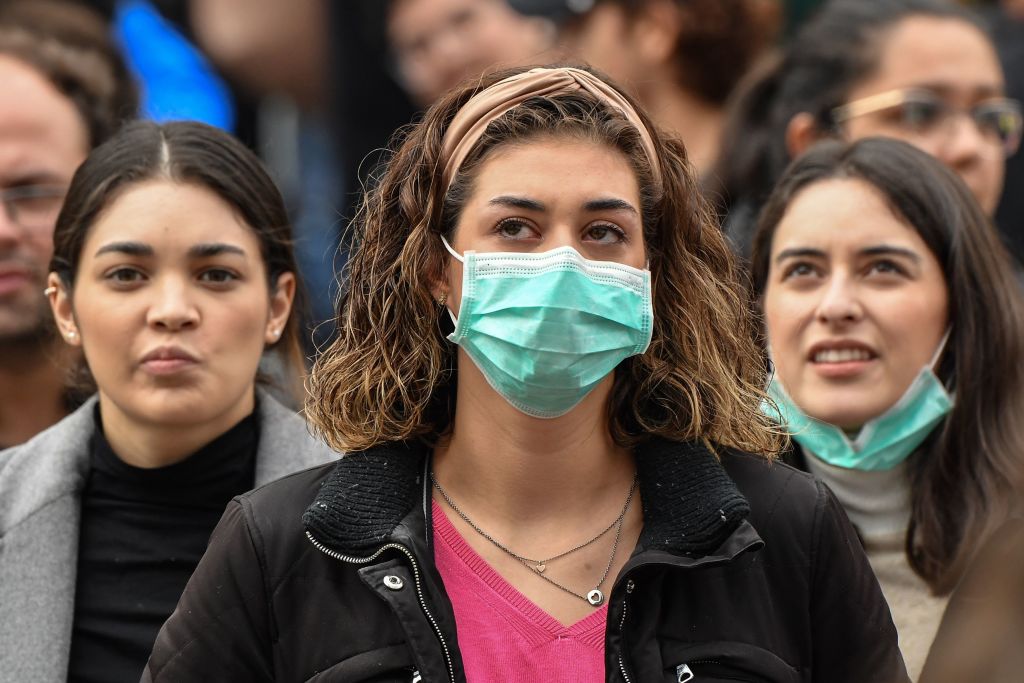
(318, 88)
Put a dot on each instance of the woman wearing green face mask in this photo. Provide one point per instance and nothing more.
(558, 468)
(894, 324)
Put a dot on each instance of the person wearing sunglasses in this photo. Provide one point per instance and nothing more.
(922, 71)
(65, 90)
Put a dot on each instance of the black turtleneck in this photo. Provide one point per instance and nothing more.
(143, 532)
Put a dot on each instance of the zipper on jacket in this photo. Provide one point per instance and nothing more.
(416, 577)
(622, 631)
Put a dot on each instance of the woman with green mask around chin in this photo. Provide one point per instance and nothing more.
(557, 466)
(894, 324)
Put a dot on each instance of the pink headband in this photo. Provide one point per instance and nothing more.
(487, 105)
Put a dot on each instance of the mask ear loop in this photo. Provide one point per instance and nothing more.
(460, 259)
(940, 350)
(937, 356)
(931, 367)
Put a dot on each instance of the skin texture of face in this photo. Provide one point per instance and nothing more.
(956, 61)
(42, 141)
(439, 43)
(855, 304)
(545, 194)
(172, 308)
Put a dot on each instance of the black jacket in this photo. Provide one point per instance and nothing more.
(745, 570)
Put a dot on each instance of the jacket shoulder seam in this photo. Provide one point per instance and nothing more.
(816, 531)
(259, 547)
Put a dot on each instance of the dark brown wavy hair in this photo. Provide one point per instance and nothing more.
(962, 478)
(390, 373)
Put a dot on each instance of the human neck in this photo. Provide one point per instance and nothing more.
(32, 389)
(519, 468)
(149, 445)
(697, 123)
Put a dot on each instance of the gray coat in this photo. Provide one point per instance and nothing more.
(40, 505)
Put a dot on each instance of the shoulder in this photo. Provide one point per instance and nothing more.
(286, 444)
(760, 478)
(273, 512)
(781, 497)
(49, 466)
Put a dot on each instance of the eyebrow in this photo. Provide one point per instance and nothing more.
(198, 251)
(889, 250)
(517, 203)
(126, 248)
(799, 252)
(878, 250)
(214, 249)
(604, 204)
(976, 90)
(610, 204)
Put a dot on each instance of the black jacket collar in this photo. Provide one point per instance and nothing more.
(690, 505)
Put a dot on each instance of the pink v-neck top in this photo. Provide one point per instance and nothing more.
(503, 636)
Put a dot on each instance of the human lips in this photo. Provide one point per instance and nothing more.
(14, 278)
(841, 358)
(167, 360)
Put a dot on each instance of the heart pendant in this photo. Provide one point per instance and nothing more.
(540, 568)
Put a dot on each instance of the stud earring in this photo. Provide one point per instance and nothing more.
(71, 335)
(49, 291)
(443, 299)
(275, 333)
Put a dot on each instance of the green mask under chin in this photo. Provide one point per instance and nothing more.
(884, 441)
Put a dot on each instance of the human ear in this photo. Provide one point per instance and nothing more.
(63, 312)
(281, 299)
(801, 132)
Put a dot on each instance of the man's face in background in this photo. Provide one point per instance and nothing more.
(42, 141)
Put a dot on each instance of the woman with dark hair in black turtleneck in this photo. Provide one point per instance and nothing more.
(172, 272)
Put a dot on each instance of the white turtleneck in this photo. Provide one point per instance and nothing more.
(878, 504)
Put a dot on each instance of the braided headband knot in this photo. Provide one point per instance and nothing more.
(487, 105)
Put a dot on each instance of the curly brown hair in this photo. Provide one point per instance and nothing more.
(390, 373)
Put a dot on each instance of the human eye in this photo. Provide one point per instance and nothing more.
(124, 276)
(800, 270)
(35, 204)
(515, 229)
(920, 112)
(604, 233)
(886, 267)
(999, 119)
(218, 276)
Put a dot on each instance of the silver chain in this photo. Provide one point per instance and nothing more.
(595, 597)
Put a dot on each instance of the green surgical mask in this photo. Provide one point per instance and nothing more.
(884, 441)
(545, 329)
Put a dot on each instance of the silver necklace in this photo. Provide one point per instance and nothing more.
(594, 597)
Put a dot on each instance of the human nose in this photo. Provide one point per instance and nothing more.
(840, 302)
(172, 309)
(10, 231)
